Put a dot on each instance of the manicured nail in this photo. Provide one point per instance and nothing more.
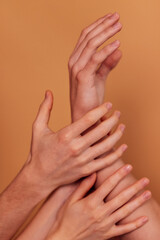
(145, 181)
(117, 25)
(144, 219)
(109, 105)
(147, 195)
(115, 43)
(118, 114)
(128, 168)
(124, 147)
(114, 16)
(122, 127)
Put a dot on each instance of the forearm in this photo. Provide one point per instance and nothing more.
(16, 202)
(151, 209)
(47, 215)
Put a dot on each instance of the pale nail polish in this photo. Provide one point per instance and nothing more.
(115, 44)
(144, 220)
(145, 181)
(109, 105)
(117, 25)
(128, 168)
(114, 16)
(122, 127)
(147, 195)
(124, 148)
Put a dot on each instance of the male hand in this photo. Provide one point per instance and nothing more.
(63, 157)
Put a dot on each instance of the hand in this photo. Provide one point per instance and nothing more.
(85, 218)
(88, 69)
(66, 156)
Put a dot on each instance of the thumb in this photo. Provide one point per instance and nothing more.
(83, 188)
(45, 109)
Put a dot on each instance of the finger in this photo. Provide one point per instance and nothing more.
(109, 63)
(101, 130)
(127, 194)
(95, 32)
(89, 119)
(89, 29)
(99, 57)
(110, 183)
(130, 207)
(83, 188)
(129, 227)
(108, 143)
(92, 45)
(44, 112)
(100, 163)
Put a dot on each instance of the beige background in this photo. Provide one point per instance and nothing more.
(36, 40)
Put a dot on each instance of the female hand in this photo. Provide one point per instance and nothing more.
(66, 156)
(90, 218)
(89, 68)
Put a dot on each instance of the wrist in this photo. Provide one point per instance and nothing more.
(38, 181)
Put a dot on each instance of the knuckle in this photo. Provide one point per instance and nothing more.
(108, 146)
(64, 137)
(80, 76)
(91, 43)
(89, 118)
(111, 183)
(75, 69)
(84, 32)
(94, 58)
(126, 210)
(35, 126)
(70, 63)
(118, 154)
(75, 150)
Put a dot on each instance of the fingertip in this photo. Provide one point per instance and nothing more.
(128, 168)
(108, 105)
(144, 219)
(124, 147)
(147, 195)
(117, 14)
(49, 98)
(48, 93)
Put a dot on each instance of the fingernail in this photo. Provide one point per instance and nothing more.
(117, 113)
(115, 43)
(147, 195)
(114, 16)
(128, 168)
(144, 219)
(124, 147)
(145, 181)
(109, 105)
(117, 25)
(122, 127)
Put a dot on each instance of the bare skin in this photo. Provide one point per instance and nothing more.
(113, 56)
(87, 86)
(50, 208)
(90, 218)
(57, 159)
